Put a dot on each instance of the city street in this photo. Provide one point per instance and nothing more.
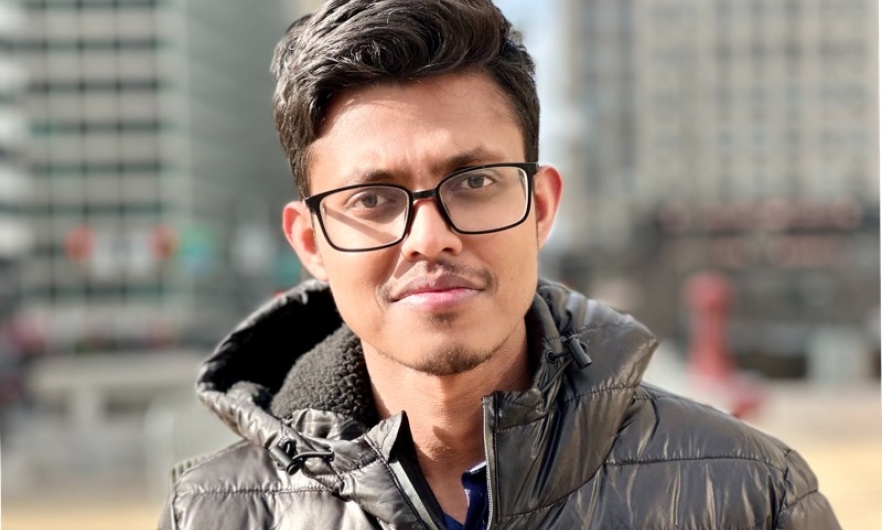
(838, 430)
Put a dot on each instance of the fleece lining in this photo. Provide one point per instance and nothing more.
(332, 377)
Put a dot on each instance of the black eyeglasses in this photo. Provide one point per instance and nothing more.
(474, 200)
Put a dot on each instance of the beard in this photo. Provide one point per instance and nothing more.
(451, 361)
(446, 360)
(449, 356)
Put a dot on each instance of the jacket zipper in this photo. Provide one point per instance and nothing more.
(489, 406)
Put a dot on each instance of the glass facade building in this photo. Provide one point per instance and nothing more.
(739, 136)
(157, 176)
(15, 232)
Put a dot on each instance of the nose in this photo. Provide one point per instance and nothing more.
(429, 235)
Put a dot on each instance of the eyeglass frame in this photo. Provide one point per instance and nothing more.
(530, 170)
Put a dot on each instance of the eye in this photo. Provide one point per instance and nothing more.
(473, 181)
(371, 201)
(366, 199)
(477, 181)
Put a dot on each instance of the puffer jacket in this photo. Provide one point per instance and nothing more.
(588, 446)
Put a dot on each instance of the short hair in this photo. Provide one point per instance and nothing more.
(353, 43)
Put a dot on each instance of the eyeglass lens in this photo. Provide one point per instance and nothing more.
(477, 201)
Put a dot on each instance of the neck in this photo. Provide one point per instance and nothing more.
(445, 412)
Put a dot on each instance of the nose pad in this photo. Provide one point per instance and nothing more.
(429, 234)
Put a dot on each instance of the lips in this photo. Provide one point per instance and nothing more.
(437, 284)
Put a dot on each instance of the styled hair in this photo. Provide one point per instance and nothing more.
(354, 43)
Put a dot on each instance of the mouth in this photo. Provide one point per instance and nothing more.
(437, 290)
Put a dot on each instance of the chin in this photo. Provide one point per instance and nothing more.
(451, 360)
(438, 353)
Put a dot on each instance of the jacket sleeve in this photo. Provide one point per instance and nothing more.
(804, 507)
(166, 518)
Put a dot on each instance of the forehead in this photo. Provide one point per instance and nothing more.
(415, 131)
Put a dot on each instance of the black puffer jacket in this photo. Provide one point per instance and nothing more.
(588, 446)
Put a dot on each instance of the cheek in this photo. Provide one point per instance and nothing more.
(350, 278)
(514, 262)
(526, 264)
(355, 280)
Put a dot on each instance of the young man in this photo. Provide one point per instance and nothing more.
(427, 378)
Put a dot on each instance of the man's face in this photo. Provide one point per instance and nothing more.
(439, 302)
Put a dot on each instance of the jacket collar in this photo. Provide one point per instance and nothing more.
(593, 360)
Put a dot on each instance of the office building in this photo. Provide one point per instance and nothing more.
(748, 100)
(157, 176)
(739, 136)
(15, 235)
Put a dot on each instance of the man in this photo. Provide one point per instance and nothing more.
(426, 378)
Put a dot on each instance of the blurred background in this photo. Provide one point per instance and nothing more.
(721, 161)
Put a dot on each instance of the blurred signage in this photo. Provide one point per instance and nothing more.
(253, 249)
(198, 253)
(286, 270)
(771, 216)
(782, 234)
(163, 241)
(79, 243)
(111, 253)
(783, 251)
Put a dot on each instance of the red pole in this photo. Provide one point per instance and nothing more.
(709, 297)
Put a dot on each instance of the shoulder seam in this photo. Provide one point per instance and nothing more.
(649, 461)
(250, 491)
(196, 462)
(587, 328)
(813, 491)
(563, 499)
(616, 388)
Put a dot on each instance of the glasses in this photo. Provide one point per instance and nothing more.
(475, 200)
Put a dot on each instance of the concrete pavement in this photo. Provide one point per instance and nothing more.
(838, 430)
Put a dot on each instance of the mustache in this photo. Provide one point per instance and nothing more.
(439, 268)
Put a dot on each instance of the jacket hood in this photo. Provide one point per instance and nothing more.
(294, 359)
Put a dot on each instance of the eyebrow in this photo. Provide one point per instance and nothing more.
(474, 157)
(370, 176)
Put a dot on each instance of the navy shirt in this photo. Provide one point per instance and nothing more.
(474, 481)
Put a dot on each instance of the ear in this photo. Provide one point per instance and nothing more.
(547, 189)
(299, 230)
